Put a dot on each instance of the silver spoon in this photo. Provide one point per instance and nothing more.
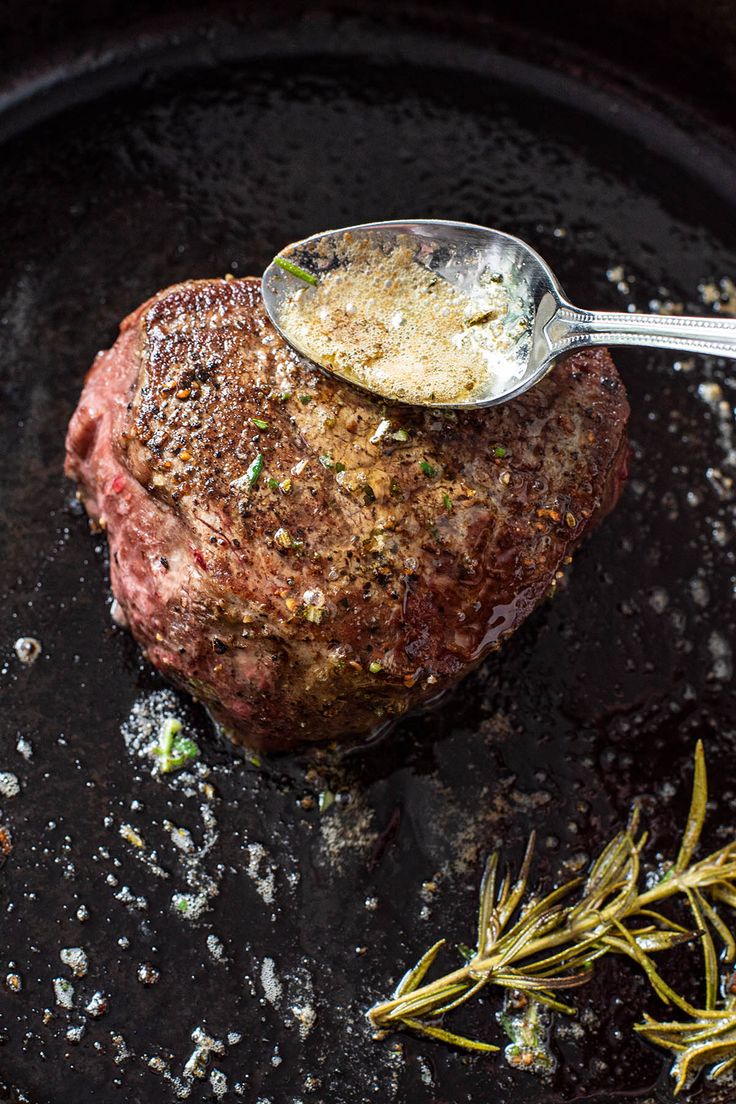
(464, 254)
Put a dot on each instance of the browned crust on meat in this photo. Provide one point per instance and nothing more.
(424, 552)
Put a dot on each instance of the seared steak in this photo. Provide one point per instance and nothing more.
(310, 562)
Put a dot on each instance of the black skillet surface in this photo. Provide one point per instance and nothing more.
(209, 154)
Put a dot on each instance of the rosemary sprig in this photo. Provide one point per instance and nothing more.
(707, 1039)
(541, 945)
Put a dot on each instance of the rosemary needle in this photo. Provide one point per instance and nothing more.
(538, 945)
(295, 270)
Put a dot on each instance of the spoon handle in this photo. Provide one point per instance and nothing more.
(571, 328)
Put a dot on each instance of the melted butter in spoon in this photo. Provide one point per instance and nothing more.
(378, 316)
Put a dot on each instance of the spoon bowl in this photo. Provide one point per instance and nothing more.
(546, 324)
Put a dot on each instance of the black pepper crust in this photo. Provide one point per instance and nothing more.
(310, 561)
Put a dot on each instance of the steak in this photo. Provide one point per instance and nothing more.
(308, 561)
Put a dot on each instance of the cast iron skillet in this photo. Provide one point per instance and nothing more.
(138, 151)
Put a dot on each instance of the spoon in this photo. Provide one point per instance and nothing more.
(464, 254)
